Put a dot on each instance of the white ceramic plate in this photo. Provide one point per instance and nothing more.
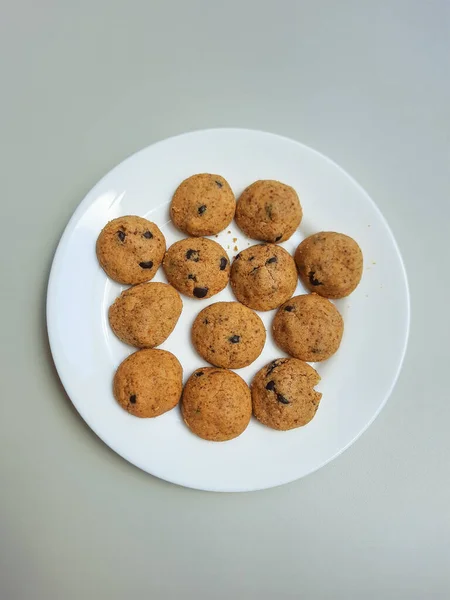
(356, 382)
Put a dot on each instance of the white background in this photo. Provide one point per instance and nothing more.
(83, 85)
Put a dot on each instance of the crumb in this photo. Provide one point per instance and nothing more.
(228, 247)
(373, 262)
(234, 240)
(368, 225)
(235, 248)
(216, 235)
(228, 231)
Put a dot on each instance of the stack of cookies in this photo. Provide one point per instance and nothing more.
(216, 403)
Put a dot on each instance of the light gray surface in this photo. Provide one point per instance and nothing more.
(84, 84)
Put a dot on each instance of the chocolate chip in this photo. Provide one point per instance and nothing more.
(278, 238)
(282, 399)
(148, 235)
(146, 265)
(288, 308)
(251, 258)
(234, 339)
(199, 373)
(193, 255)
(270, 386)
(206, 322)
(238, 256)
(201, 209)
(312, 279)
(218, 183)
(273, 365)
(223, 263)
(133, 399)
(121, 235)
(200, 292)
(271, 260)
(192, 276)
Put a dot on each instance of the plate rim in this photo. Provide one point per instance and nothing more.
(62, 243)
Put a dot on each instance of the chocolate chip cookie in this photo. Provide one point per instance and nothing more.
(203, 204)
(308, 327)
(228, 334)
(330, 264)
(197, 267)
(130, 249)
(216, 404)
(146, 314)
(283, 394)
(148, 383)
(269, 211)
(263, 276)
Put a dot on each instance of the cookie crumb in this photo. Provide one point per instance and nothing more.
(234, 240)
(236, 249)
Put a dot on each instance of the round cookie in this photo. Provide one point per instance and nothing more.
(263, 276)
(146, 314)
(130, 249)
(283, 394)
(216, 404)
(148, 383)
(203, 204)
(197, 267)
(330, 264)
(228, 334)
(269, 210)
(308, 327)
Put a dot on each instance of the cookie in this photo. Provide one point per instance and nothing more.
(283, 394)
(216, 404)
(228, 335)
(197, 267)
(203, 204)
(130, 249)
(146, 314)
(308, 327)
(330, 264)
(148, 383)
(269, 211)
(263, 276)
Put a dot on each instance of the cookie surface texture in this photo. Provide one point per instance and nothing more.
(148, 383)
(203, 204)
(145, 314)
(130, 249)
(216, 404)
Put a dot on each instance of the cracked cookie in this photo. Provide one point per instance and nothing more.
(228, 334)
(130, 249)
(197, 267)
(329, 264)
(263, 276)
(216, 404)
(308, 327)
(146, 314)
(269, 210)
(148, 383)
(203, 204)
(283, 394)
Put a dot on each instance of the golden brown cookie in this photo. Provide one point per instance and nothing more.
(148, 383)
(263, 276)
(228, 334)
(216, 404)
(146, 314)
(283, 394)
(130, 249)
(308, 327)
(203, 204)
(197, 267)
(269, 211)
(330, 264)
